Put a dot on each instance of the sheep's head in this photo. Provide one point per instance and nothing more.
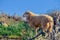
(26, 14)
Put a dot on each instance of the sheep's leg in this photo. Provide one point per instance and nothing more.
(36, 36)
(51, 32)
(36, 29)
(33, 26)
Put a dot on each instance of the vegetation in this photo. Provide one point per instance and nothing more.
(20, 29)
(14, 26)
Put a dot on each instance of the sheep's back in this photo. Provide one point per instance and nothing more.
(42, 18)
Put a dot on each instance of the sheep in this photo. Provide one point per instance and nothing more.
(39, 21)
(44, 21)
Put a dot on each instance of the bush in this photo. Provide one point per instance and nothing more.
(21, 29)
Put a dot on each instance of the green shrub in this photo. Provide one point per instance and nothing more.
(21, 29)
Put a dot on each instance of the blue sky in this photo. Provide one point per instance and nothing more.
(36, 6)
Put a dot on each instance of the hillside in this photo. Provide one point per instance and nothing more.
(15, 27)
